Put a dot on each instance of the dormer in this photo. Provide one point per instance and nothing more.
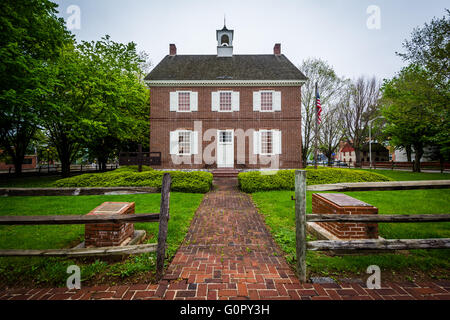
(224, 42)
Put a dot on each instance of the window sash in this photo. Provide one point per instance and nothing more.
(266, 101)
(225, 137)
(267, 142)
(184, 142)
(225, 99)
(184, 101)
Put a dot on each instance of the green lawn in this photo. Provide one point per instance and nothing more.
(52, 271)
(278, 211)
(398, 175)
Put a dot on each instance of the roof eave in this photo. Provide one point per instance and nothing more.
(231, 83)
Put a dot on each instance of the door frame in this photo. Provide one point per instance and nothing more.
(221, 144)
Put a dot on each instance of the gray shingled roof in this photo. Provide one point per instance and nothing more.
(237, 67)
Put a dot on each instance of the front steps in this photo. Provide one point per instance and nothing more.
(225, 173)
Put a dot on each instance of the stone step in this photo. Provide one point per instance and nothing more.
(225, 173)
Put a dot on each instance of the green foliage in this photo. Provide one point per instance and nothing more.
(278, 211)
(429, 47)
(98, 100)
(46, 271)
(417, 113)
(31, 37)
(196, 181)
(284, 179)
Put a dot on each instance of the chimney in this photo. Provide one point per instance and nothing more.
(173, 50)
(277, 49)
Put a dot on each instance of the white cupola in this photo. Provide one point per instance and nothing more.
(224, 42)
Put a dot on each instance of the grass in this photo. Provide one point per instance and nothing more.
(52, 271)
(278, 211)
(398, 175)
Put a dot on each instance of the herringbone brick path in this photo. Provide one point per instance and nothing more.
(228, 253)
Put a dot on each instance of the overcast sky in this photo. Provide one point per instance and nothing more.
(334, 30)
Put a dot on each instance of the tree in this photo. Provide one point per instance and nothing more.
(429, 48)
(31, 37)
(415, 111)
(316, 70)
(360, 106)
(428, 53)
(98, 100)
(331, 131)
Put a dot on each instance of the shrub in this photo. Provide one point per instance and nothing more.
(196, 181)
(284, 179)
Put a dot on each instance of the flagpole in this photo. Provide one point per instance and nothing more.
(316, 128)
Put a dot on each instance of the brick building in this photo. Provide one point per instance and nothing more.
(6, 163)
(226, 110)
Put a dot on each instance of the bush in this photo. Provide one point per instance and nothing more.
(196, 181)
(284, 179)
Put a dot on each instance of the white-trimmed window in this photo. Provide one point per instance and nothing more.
(267, 142)
(267, 101)
(225, 101)
(183, 142)
(183, 101)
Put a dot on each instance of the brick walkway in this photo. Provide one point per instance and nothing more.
(228, 253)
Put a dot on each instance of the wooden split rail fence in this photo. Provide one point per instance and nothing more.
(301, 219)
(162, 217)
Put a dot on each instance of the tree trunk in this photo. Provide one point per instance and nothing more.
(357, 157)
(18, 167)
(417, 156)
(17, 155)
(408, 153)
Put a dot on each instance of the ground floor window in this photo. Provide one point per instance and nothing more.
(184, 142)
(266, 142)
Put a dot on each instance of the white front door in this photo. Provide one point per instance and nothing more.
(225, 149)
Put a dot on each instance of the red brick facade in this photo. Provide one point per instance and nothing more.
(26, 165)
(322, 204)
(288, 120)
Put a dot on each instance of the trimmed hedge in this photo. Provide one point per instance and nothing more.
(195, 182)
(284, 179)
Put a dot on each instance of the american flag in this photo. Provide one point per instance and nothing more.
(318, 106)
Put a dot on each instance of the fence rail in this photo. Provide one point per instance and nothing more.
(84, 219)
(378, 218)
(432, 165)
(160, 247)
(301, 219)
(53, 169)
(143, 158)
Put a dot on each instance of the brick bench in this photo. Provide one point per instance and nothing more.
(109, 234)
(335, 203)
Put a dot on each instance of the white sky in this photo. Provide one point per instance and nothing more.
(334, 30)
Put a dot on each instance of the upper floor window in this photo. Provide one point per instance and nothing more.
(267, 101)
(225, 101)
(183, 101)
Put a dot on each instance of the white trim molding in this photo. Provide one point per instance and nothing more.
(229, 83)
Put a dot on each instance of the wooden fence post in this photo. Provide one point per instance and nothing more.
(300, 222)
(163, 222)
